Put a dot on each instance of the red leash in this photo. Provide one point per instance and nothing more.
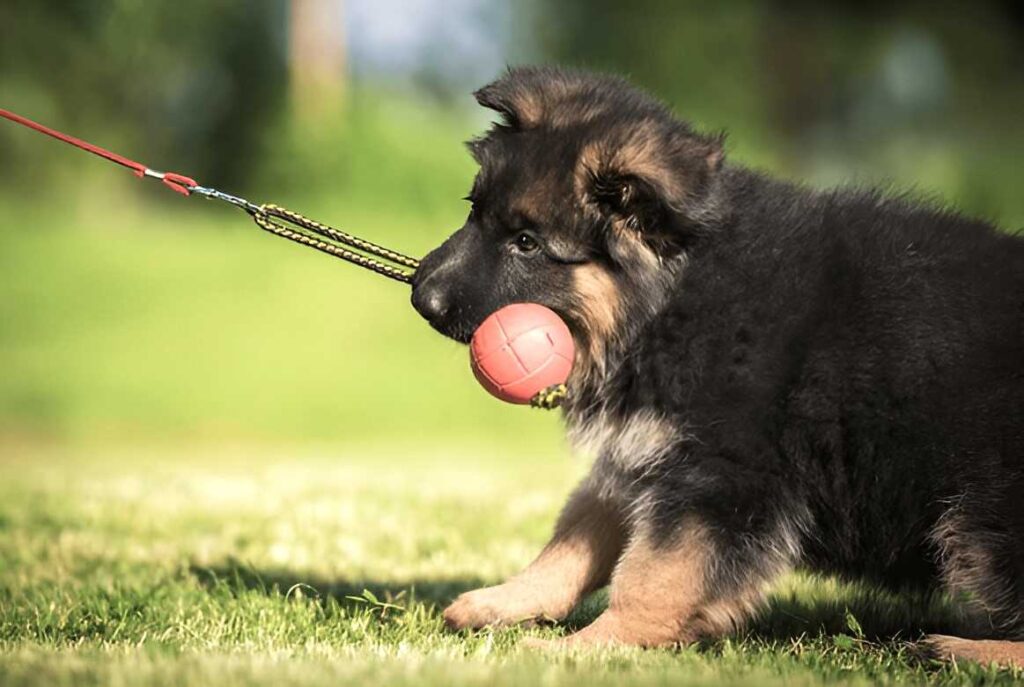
(271, 218)
(175, 182)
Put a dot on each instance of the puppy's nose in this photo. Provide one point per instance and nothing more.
(429, 302)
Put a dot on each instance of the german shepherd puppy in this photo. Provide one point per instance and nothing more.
(769, 376)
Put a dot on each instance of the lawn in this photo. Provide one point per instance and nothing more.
(233, 566)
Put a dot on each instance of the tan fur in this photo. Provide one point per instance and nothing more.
(579, 558)
(641, 153)
(729, 611)
(528, 107)
(588, 165)
(662, 594)
(729, 614)
(548, 104)
(656, 592)
(968, 566)
(1005, 654)
(563, 118)
(535, 202)
(593, 159)
(600, 305)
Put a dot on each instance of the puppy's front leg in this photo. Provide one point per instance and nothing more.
(665, 592)
(579, 559)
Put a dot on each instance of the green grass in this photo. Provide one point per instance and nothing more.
(230, 566)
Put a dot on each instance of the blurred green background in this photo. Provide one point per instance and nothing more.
(129, 315)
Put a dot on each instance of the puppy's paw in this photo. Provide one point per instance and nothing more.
(983, 651)
(611, 630)
(578, 641)
(540, 644)
(505, 604)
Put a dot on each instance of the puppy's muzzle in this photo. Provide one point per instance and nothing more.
(430, 300)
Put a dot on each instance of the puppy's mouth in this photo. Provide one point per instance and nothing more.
(452, 325)
(459, 332)
(443, 308)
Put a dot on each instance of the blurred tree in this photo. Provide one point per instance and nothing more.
(316, 60)
(189, 84)
(701, 57)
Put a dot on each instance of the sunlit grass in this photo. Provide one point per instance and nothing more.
(300, 567)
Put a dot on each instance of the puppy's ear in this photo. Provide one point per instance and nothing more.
(655, 179)
(500, 98)
(518, 97)
(491, 97)
(529, 97)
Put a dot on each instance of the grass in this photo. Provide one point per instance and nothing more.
(231, 566)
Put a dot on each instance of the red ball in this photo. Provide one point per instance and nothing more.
(520, 350)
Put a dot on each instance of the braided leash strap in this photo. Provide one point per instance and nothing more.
(267, 218)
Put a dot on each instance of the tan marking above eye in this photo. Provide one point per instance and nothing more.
(534, 202)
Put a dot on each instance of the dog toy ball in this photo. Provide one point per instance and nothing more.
(521, 350)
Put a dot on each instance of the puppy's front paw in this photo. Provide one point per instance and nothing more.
(612, 630)
(983, 651)
(505, 604)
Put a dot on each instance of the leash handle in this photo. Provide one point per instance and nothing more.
(176, 182)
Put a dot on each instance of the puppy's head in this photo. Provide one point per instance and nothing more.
(588, 196)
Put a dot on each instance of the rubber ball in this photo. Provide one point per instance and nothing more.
(521, 350)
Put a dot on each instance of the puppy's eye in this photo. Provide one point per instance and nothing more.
(524, 243)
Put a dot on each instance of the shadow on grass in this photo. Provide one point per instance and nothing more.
(237, 576)
(827, 607)
(805, 607)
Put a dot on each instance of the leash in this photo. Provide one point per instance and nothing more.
(271, 218)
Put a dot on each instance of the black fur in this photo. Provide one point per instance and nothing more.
(847, 367)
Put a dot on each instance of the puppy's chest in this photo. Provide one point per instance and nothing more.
(631, 443)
